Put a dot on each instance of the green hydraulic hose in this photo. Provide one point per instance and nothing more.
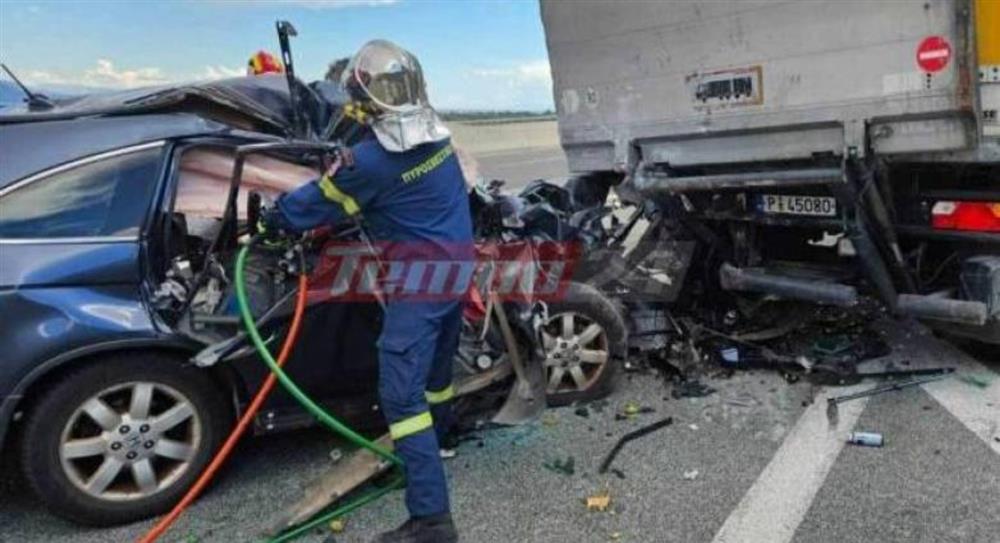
(322, 415)
(338, 512)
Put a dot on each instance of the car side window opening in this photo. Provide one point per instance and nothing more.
(109, 197)
(203, 185)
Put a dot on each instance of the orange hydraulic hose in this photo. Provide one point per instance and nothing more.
(241, 426)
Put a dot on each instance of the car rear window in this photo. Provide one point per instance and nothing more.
(105, 198)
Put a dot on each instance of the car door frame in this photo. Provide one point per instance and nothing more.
(244, 374)
(140, 334)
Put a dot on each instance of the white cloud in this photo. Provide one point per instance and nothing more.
(41, 77)
(510, 86)
(222, 72)
(531, 73)
(106, 75)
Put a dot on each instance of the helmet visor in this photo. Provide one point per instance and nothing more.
(388, 75)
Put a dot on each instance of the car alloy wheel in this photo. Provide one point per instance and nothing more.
(130, 441)
(576, 352)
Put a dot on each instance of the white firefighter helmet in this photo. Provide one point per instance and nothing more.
(390, 78)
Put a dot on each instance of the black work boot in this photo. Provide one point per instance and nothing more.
(435, 529)
(448, 445)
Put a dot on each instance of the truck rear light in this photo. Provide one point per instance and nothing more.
(973, 216)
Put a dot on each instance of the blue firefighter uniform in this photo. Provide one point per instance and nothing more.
(415, 201)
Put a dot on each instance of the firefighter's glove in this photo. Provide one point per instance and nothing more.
(269, 229)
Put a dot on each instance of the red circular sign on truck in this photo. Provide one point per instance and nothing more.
(933, 54)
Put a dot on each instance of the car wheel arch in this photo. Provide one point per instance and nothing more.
(31, 386)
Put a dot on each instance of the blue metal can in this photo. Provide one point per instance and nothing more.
(867, 439)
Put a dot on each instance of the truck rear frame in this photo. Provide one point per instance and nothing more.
(813, 149)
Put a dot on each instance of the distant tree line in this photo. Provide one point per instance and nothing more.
(476, 115)
(335, 71)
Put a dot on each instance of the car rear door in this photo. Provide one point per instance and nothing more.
(70, 244)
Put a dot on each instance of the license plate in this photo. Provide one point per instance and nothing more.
(794, 204)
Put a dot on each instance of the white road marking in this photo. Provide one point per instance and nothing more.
(971, 406)
(978, 409)
(775, 505)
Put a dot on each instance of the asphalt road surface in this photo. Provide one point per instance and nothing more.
(520, 167)
(757, 461)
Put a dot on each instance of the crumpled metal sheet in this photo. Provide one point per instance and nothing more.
(203, 183)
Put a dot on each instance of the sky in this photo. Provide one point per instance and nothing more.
(476, 54)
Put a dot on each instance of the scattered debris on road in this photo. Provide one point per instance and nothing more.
(865, 439)
(835, 378)
(565, 467)
(745, 400)
(632, 409)
(635, 434)
(691, 388)
(832, 403)
(337, 525)
(977, 381)
(824, 344)
(599, 502)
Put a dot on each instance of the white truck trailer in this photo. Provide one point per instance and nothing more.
(814, 150)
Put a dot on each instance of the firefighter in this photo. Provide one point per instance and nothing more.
(406, 181)
(262, 62)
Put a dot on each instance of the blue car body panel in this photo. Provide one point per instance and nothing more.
(28, 148)
(57, 298)
(32, 266)
(62, 299)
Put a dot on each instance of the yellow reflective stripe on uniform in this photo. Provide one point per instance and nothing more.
(426, 166)
(333, 193)
(440, 396)
(411, 425)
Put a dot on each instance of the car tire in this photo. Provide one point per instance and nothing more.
(581, 325)
(122, 438)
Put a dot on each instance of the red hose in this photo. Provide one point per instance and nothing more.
(241, 426)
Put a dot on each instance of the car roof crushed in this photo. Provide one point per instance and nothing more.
(251, 107)
(258, 104)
